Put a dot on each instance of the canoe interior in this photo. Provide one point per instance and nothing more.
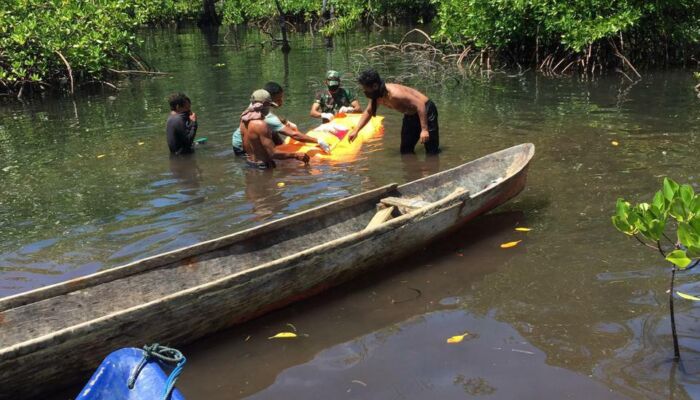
(30, 316)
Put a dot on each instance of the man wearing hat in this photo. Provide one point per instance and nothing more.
(257, 136)
(335, 100)
(279, 128)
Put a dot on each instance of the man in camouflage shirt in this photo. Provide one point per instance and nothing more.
(334, 100)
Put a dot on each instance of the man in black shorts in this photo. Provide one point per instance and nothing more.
(420, 120)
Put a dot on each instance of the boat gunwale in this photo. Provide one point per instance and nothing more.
(143, 265)
(29, 346)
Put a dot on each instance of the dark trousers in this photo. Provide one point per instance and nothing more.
(410, 131)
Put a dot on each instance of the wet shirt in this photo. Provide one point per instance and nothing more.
(180, 133)
(273, 122)
(331, 103)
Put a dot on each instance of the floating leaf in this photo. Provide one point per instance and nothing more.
(284, 335)
(457, 339)
(688, 297)
(521, 229)
(614, 143)
(140, 143)
(100, 156)
(510, 244)
(280, 184)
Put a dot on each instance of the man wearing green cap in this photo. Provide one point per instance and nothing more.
(257, 135)
(335, 100)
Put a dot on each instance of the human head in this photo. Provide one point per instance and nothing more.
(262, 97)
(371, 83)
(332, 80)
(179, 102)
(276, 92)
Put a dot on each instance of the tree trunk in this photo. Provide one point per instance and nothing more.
(326, 15)
(209, 16)
(283, 27)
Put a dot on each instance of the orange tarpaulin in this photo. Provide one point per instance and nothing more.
(335, 133)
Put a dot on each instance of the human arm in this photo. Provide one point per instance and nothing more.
(364, 119)
(423, 117)
(301, 137)
(315, 110)
(191, 129)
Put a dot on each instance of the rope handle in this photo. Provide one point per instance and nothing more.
(166, 355)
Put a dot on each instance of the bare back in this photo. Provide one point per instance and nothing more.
(257, 141)
(402, 98)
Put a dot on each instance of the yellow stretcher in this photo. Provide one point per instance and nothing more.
(335, 133)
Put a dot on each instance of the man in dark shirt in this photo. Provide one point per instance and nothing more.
(181, 127)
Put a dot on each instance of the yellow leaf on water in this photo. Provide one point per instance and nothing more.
(280, 184)
(284, 335)
(100, 156)
(614, 143)
(510, 244)
(688, 297)
(140, 143)
(457, 339)
(521, 229)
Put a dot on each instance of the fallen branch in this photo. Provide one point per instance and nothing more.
(137, 72)
(70, 71)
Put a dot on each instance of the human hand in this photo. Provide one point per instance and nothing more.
(193, 117)
(346, 109)
(302, 157)
(424, 136)
(327, 116)
(352, 136)
(324, 146)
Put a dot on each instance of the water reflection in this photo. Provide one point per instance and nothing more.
(262, 193)
(185, 169)
(416, 167)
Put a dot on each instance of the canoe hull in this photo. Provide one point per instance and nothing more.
(191, 314)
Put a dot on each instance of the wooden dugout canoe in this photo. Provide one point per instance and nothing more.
(55, 335)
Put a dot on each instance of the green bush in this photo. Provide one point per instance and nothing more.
(574, 24)
(91, 37)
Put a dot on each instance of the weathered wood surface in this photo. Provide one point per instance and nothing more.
(381, 217)
(50, 336)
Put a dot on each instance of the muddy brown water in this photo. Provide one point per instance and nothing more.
(574, 311)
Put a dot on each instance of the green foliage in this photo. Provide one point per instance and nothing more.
(676, 205)
(573, 23)
(90, 36)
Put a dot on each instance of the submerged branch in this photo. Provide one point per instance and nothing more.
(137, 72)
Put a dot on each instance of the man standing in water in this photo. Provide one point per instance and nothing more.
(335, 99)
(257, 135)
(181, 127)
(278, 127)
(420, 116)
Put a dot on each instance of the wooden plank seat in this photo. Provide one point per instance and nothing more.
(381, 216)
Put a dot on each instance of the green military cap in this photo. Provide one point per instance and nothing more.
(333, 78)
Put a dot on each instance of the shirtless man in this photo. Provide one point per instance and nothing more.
(279, 128)
(257, 137)
(420, 116)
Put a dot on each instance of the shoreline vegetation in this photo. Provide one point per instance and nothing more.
(62, 46)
